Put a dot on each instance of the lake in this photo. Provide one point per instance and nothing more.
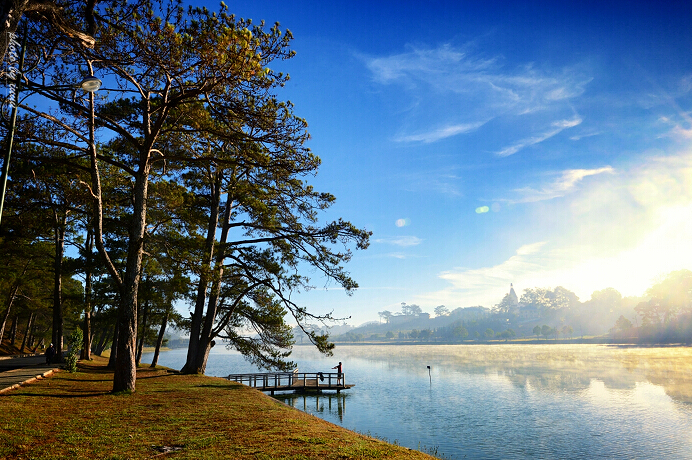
(502, 401)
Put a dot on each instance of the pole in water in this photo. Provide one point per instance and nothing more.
(430, 375)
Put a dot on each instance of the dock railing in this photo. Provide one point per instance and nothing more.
(287, 381)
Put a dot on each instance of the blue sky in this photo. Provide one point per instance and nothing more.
(489, 143)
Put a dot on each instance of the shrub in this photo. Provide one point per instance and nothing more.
(74, 344)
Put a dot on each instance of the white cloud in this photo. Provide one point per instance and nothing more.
(448, 78)
(403, 241)
(681, 133)
(555, 128)
(502, 274)
(440, 133)
(578, 137)
(425, 64)
(529, 249)
(563, 185)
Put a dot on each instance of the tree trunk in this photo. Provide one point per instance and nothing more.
(140, 347)
(38, 345)
(206, 341)
(125, 375)
(86, 332)
(59, 235)
(96, 343)
(123, 350)
(101, 342)
(86, 328)
(32, 336)
(125, 372)
(10, 301)
(26, 334)
(159, 340)
(194, 348)
(4, 321)
(114, 346)
(13, 330)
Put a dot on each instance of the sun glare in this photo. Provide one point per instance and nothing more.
(665, 249)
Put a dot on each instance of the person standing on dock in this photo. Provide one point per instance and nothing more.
(338, 368)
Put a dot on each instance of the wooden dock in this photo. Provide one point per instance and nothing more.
(293, 381)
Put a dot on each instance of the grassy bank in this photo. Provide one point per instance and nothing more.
(170, 416)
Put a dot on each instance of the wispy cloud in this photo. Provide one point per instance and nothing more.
(403, 241)
(555, 128)
(561, 186)
(580, 136)
(680, 130)
(458, 89)
(425, 64)
(442, 180)
(502, 274)
(440, 133)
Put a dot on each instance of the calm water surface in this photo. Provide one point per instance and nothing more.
(503, 401)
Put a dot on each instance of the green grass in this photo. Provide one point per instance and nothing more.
(75, 416)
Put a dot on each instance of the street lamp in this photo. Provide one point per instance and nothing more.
(88, 84)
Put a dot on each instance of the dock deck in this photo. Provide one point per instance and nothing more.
(293, 381)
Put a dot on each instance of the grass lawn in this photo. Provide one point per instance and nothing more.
(169, 416)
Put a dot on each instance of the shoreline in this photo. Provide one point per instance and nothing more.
(194, 416)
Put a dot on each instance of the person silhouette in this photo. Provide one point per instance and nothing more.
(50, 352)
(339, 369)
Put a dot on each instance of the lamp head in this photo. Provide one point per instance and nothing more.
(90, 84)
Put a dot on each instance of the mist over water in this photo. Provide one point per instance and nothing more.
(503, 401)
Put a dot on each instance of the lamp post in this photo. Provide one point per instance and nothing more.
(88, 84)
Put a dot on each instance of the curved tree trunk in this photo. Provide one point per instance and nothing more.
(4, 321)
(140, 346)
(195, 347)
(208, 335)
(159, 340)
(10, 301)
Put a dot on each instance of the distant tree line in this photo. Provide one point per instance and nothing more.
(662, 315)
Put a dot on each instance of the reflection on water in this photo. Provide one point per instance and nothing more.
(331, 404)
(505, 401)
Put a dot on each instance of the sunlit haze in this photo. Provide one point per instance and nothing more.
(492, 143)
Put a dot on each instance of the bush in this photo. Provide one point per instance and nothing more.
(74, 344)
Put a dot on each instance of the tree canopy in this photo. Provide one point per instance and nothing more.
(187, 171)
